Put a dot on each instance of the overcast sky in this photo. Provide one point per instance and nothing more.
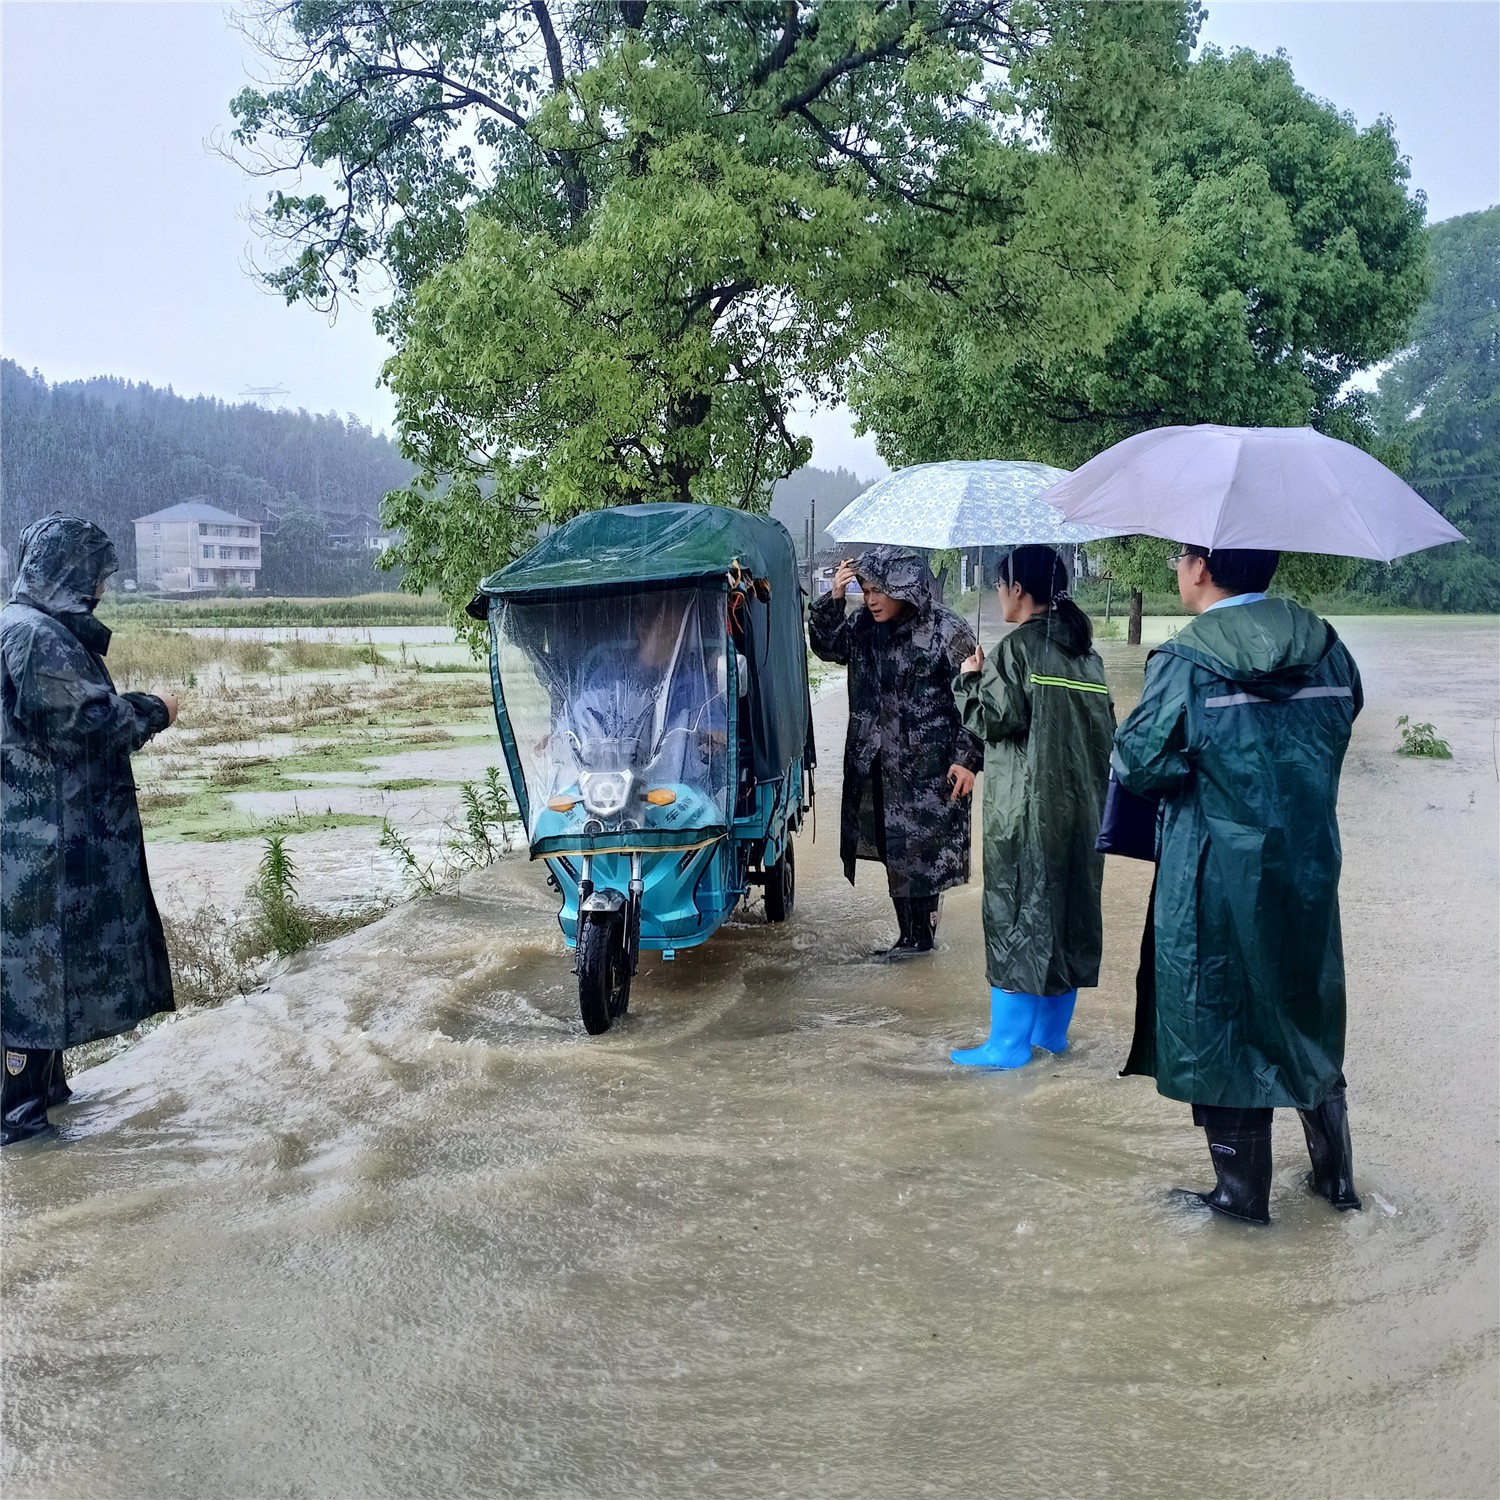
(126, 249)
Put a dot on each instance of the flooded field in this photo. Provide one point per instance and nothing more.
(398, 1227)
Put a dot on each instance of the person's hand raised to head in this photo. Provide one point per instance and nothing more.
(843, 578)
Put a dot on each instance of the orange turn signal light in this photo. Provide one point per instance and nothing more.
(562, 804)
(661, 797)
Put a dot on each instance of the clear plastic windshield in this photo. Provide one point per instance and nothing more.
(619, 711)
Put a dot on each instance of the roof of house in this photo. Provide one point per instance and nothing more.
(195, 510)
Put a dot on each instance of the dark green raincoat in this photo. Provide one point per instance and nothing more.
(1241, 731)
(1044, 713)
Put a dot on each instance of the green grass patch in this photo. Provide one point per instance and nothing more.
(361, 609)
(206, 815)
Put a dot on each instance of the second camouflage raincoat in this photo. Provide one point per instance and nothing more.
(904, 730)
(82, 954)
(1241, 731)
(1042, 708)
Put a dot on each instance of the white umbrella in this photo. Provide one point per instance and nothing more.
(1286, 489)
(981, 503)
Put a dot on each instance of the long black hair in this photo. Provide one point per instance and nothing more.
(1040, 572)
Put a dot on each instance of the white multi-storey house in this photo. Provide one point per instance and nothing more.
(196, 546)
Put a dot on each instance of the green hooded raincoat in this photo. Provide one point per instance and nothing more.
(1241, 731)
(1044, 713)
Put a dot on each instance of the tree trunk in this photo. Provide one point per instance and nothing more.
(1137, 603)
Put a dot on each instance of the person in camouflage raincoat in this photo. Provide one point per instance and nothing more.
(909, 763)
(82, 954)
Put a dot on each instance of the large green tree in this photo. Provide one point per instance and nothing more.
(1440, 403)
(620, 238)
(1286, 254)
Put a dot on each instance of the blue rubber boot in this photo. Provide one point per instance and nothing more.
(1012, 1016)
(1054, 1014)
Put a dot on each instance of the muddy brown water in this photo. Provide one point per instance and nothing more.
(397, 1227)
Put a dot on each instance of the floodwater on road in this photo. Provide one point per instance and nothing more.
(398, 1227)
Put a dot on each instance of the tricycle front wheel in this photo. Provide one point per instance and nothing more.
(603, 963)
(781, 884)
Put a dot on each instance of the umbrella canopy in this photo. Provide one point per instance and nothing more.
(1287, 489)
(985, 503)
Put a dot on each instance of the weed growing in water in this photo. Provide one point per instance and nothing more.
(211, 961)
(1421, 740)
(273, 899)
(423, 877)
(485, 836)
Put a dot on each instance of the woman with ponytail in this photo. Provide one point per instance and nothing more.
(1043, 710)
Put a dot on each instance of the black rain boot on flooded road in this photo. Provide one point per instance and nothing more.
(903, 923)
(1239, 1141)
(1331, 1151)
(58, 1091)
(918, 918)
(23, 1094)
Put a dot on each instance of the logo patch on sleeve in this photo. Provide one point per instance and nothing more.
(15, 1063)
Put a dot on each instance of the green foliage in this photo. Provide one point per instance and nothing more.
(1284, 255)
(281, 923)
(423, 877)
(1438, 406)
(1421, 740)
(486, 814)
(620, 239)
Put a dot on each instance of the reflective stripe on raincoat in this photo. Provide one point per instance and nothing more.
(1241, 730)
(1042, 708)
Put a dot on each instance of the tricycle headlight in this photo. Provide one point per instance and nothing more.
(606, 794)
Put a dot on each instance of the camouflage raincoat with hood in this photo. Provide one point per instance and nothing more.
(1241, 731)
(1043, 710)
(82, 954)
(904, 730)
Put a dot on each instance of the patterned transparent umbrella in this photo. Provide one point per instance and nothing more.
(963, 503)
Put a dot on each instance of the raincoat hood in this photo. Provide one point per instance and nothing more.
(899, 572)
(62, 560)
(1065, 631)
(1270, 647)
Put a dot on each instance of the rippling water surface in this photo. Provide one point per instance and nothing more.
(397, 1227)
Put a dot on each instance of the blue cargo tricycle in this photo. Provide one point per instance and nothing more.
(650, 682)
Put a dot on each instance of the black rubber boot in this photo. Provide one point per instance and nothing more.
(1332, 1152)
(23, 1094)
(903, 923)
(1239, 1141)
(918, 918)
(924, 921)
(58, 1091)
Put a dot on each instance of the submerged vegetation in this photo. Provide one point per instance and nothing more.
(1421, 740)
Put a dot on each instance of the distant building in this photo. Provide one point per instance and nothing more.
(196, 546)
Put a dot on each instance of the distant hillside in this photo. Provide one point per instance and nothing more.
(111, 450)
(822, 492)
